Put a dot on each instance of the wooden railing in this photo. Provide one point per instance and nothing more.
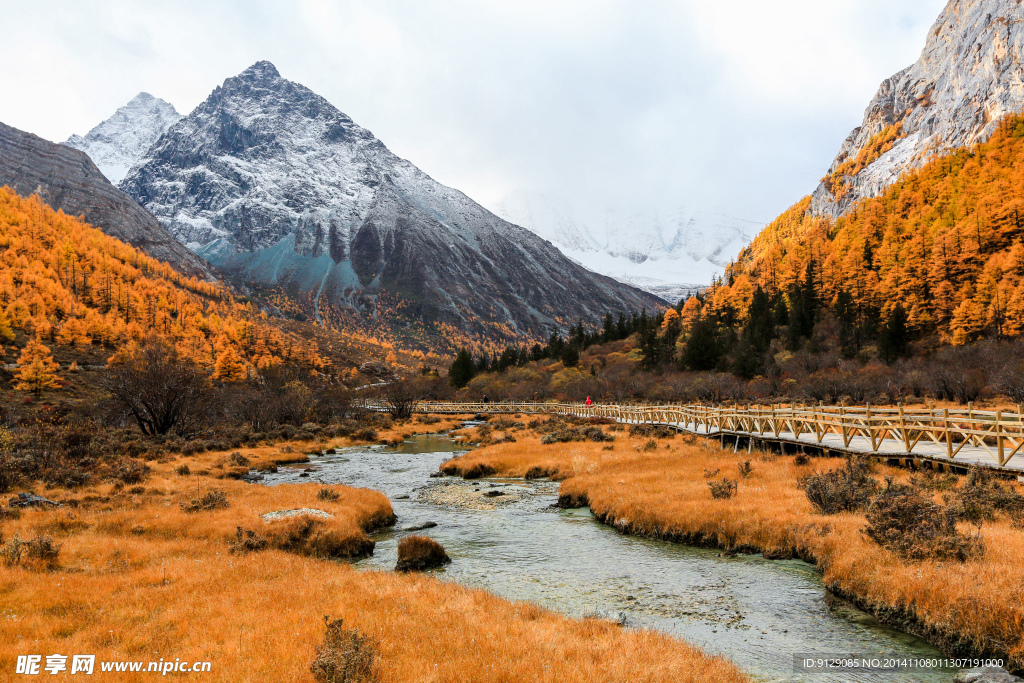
(968, 434)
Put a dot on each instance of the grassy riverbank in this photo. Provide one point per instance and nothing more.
(659, 488)
(139, 577)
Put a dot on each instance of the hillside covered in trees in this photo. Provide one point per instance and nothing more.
(68, 285)
(917, 292)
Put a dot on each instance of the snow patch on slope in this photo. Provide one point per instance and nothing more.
(670, 257)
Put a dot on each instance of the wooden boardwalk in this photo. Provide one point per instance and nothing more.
(948, 439)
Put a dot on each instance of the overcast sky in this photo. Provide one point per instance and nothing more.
(737, 107)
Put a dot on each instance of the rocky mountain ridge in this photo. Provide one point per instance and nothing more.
(970, 74)
(274, 185)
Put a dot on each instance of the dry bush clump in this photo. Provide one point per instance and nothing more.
(315, 537)
(214, 499)
(538, 472)
(723, 488)
(568, 434)
(130, 471)
(711, 474)
(844, 489)
(239, 460)
(916, 528)
(327, 494)
(656, 431)
(651, 445)
(38, 553)
(345, 656)
(182, 470)
(930, 480)
(478, 471)
(982, 496)
(416, 553)
(745, 468)
(801, 459)
(247, 540)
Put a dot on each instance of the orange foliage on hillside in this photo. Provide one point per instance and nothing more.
(945, 242)
(67, 283)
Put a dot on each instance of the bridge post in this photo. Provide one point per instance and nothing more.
(949, 437)
(999, 436)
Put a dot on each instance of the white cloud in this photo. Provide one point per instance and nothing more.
(736, 106)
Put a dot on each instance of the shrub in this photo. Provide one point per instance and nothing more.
(479, 470)
(650, 445)
(844, 489)
(365, 434)
(247, 540)
(656, 431)
(213, 499)
(915, 528)
(312, 536)
(239, 459)
(745, 468)
(130, 471)
(981, 496)
(416, 553)
(40, 552)
(345, 656)
(930, 480)
(12, 550)
(182, 470)
(709, 474)
(801, 459)
(538, 472)
(43, 552)
(327, 494)
(722, 488)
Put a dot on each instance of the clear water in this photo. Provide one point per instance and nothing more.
(756, 612)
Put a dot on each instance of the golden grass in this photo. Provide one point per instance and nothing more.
(664, 493)
(140, 579)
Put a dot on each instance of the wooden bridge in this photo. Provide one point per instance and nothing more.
(948, 439)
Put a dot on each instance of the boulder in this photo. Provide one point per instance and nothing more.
(24, 500)
(988, 674)
(284, 514)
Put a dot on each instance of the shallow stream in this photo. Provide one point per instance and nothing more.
(759, 613)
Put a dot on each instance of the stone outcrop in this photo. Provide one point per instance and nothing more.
(970, 75)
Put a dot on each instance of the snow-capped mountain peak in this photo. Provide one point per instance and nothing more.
(273, 184)
(118, 143)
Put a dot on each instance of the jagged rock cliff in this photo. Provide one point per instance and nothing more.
(273, 184)
(67, 179)
(118, 143)
(970, 74)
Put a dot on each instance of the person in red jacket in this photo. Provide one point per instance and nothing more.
(589, 402)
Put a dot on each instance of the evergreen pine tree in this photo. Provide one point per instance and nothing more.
(703, 348)
(461, 370)
(894, 337)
